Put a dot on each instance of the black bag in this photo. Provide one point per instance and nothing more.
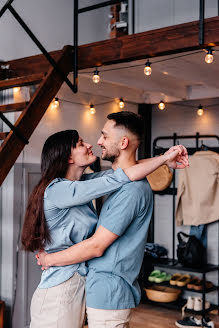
(191, 253)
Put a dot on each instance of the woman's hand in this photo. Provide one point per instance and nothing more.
(177, 157)
(41, 260)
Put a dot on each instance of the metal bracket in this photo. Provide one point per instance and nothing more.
(14, 129)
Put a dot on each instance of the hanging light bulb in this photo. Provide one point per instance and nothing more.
(200, 110)
(56, 102)
(147, 69)
(96, 76)
(121, 103)
(209, 56)
(16, 89)
(92, 109)
(161, 105)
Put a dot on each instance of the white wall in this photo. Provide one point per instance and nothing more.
(155, 14)
(52, 23)
(184, 121)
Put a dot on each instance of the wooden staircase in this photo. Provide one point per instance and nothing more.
(30, 71)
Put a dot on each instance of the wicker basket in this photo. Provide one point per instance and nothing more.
(162, 294)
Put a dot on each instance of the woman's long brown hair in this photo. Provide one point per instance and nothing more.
(54, 164)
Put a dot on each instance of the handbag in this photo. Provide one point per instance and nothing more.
(191, 252)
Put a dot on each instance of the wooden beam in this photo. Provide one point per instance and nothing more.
(33, 64)
(13, 107)
(31, 116)
(21, 81)
(3, 135)
(160, 42)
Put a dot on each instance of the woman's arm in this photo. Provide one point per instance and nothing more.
(176, 157)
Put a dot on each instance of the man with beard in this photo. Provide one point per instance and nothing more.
(115, 252)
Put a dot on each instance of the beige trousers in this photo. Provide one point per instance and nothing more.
(62, 306)
(98, 318)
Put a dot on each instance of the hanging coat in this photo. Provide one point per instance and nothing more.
(198, 190)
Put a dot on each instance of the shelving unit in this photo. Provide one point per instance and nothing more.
(172, 263)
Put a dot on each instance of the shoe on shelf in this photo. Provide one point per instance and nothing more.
(162, 277)
(193, 281)
(207, 322)
(198, 304)
(190, 303)
(153, 275)
(199, 285)
(175, 278)
(188, 322)
(191, 322)
(184, 280)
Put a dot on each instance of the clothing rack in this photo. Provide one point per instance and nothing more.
(158, 150)
(172, 263)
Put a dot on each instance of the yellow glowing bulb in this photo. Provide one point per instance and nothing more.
(209, 57)
(92, 110)
(16, 89)
(200, 111)
(147, 69)
(56, 103)
(96, 76)
(121, 103)
(161, 105)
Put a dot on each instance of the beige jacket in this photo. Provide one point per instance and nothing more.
(198, 190)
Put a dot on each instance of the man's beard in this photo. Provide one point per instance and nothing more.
(111, 157)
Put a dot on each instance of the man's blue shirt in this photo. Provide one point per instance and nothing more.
(112, 279)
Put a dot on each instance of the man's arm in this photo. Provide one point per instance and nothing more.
(83, 251)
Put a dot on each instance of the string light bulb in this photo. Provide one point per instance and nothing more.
(200, 110)
(209, 56)
(161, 105)
(96, 76)
(92, 109)
(121, 103)
(56, 102)
(147, 69)
(16, 89)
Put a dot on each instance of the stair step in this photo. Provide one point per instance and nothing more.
(3, 135)
(17, 107)
(21, 81)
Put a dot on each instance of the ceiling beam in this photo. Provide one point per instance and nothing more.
(159, 42)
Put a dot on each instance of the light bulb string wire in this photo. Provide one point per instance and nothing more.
(138, 65)
(130, 102)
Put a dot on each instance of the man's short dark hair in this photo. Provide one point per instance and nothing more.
(131, 121)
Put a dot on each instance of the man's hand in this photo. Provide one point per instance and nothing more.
(41, 260)
(177, 157)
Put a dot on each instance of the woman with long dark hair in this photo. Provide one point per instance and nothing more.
(60, 214)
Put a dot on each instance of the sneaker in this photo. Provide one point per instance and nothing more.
(188, 322)
(208, 323)
(191, 322)
(190, 303)
(198, 304)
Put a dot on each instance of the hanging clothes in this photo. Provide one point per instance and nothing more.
(198, 190)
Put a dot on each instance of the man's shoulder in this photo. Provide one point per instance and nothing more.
(138, 186)
(135, 189)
